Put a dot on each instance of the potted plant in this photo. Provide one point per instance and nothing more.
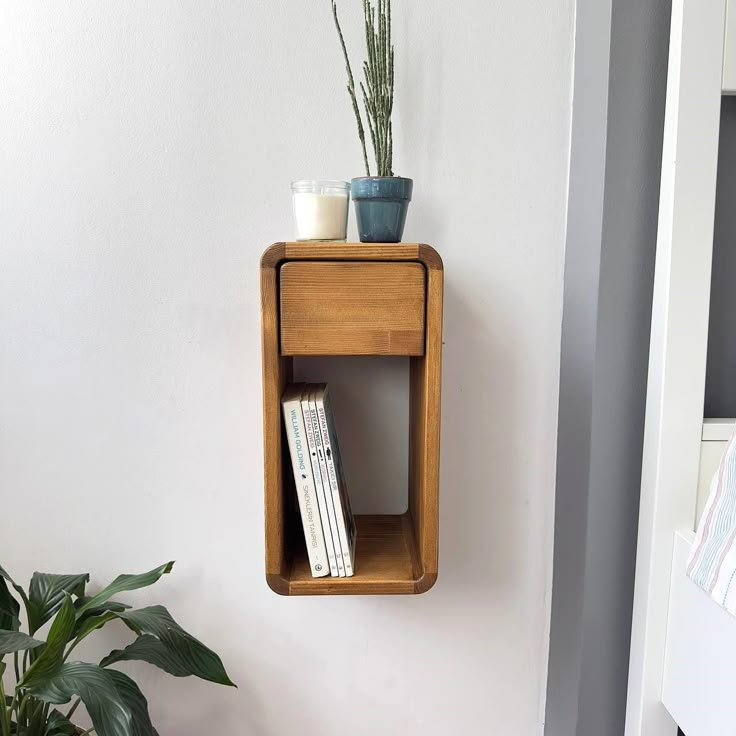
(381, 201)
(44, 676)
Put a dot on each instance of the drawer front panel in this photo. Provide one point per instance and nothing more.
(352, 308)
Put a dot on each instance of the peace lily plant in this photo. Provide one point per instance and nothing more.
(45, 676)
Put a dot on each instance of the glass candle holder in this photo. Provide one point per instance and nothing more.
(321, 209)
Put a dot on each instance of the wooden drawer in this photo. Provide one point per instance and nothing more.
(352, 308)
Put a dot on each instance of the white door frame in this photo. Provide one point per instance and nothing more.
(677, 360)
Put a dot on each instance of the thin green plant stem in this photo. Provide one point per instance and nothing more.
(377, 87)
(75, 705)
(370, 40)
(351, 90)
(34, 709)
(16, 666)
(70, 650)
(378, 90)
(22, 710)
(14, 705)
(36, 721)
(390, 144)
(6, 713)
(381, 76)
(367, 101)
(381, 40)
(389, 52)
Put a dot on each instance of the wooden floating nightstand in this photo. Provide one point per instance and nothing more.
(355, 299)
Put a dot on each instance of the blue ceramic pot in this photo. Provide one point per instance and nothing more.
(381, 203)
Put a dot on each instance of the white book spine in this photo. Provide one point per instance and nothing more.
(296, 434)
(318, 485)
(322, 467)
(341, 508)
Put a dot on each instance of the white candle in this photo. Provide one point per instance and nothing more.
(321, 210)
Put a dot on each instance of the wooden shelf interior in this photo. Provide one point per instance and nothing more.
(385, 561)
(396, 554)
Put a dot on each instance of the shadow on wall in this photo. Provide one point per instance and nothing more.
(720, 390)
(478, 526)
(478, 485)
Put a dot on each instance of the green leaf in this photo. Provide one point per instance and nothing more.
(96, 687)
(4, 575)
(52, 655)
(181, 651)
(147, 648)
(124, 583)
(47, 593)
(58, 724)
(16, 641)
(97, 612)
(92, 623)
(135, 700)
(9, 608)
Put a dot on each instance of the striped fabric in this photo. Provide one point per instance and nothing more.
(712, 563)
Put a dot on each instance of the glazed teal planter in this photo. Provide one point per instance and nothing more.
(381, 204)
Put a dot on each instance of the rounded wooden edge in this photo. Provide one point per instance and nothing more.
(273, 255)
(277, 583)
(425, 582)
(430, 257)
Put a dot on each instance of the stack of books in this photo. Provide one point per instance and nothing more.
(329, 527)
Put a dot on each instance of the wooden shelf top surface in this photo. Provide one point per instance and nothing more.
(316, 251)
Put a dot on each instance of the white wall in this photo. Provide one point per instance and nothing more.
(145, 155)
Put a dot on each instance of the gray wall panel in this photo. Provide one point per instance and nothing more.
(605, 346)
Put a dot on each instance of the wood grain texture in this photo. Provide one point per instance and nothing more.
(395, 554)
(277, 373)
(352, 308)
(298, 251)
(424, 434)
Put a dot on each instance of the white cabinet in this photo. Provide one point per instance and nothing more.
(700, 669)
(717, 433)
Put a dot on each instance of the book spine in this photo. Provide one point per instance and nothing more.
(319, 488)
(322, 468)
(295, 432)
(342, 509)
(341, 482)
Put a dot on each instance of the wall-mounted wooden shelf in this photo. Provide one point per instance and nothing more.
(355, 299)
